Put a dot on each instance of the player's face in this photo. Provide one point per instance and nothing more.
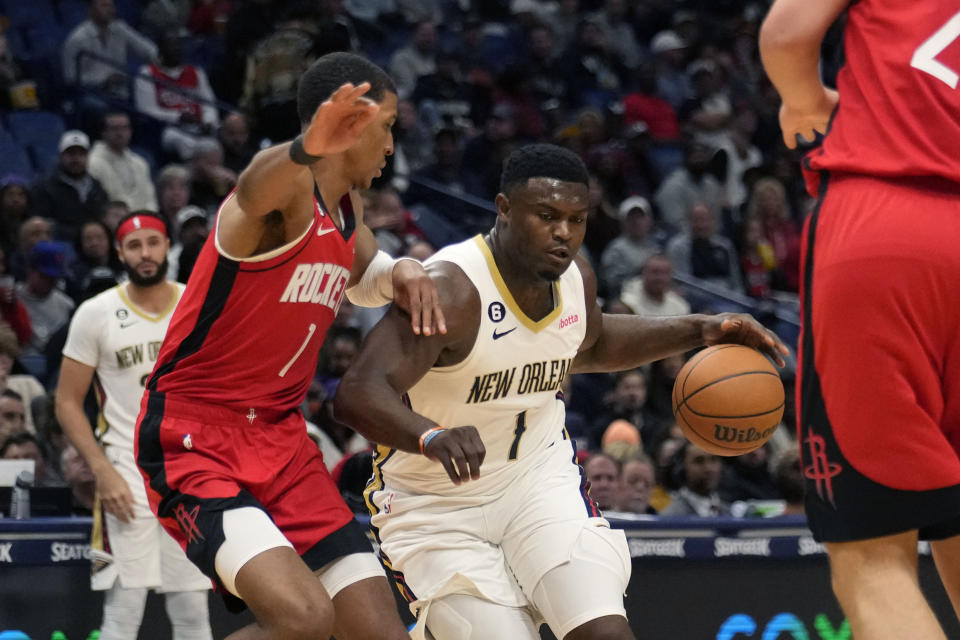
(144, 255)
(547, 219)
(367, 158)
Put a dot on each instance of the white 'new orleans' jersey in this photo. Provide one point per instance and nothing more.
(121, 341)
(507, 387)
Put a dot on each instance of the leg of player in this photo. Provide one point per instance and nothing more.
(876, 582)
(122, 612)
(286, 598)
(583, 600)
(363, 605)
(946, 554)
(463, 617)
(189, 615)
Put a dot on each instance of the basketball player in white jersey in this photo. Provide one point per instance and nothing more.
(114, 339)
(492, 551)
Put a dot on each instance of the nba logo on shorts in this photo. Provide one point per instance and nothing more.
(386, 503)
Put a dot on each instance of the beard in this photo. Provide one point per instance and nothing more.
(147, 281)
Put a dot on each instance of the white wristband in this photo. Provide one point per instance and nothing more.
(375, 288)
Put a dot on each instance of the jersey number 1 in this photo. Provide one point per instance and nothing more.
(517, 434)
(925, 57)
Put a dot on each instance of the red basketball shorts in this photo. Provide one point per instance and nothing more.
(199, 461)
(879, 370)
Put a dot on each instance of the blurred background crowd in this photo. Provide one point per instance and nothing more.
(111, 106)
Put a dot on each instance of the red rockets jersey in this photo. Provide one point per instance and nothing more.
(899, 111)
(247, 333)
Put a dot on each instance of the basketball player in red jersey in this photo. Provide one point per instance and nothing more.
(879, 399)
(229, 468)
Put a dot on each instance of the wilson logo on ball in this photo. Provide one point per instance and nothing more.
(723, 433)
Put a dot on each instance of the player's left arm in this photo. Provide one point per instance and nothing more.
(790, 40)
(617, 342)
(377, 279)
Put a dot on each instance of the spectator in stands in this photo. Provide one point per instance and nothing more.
(644, 104)
(637, 479)
(688, 185)
(173, 190)
(234, 136)
(603, 474)
(210, 181)
(650, 294)
(115, 212)
(32, 231)
(704, 253)
(603, 221)
(391, 222)
(49, 308)
(12, 312)
(709, 110)
(546, 76)
(108, 39)
(789, 479)
(621, 440)
(408, 64)
(79, 477)
(741, 155)
(13, 414)
(412, 145)
(615, 20)
(193, 229)
(642, 175)
(446, 169)
(625, 256)
(444, 98)
(178, 94)
(698, 474)
(757, 261)
(25, 446)
(94, 251)
(768, 203)
(272, 70)
(483, 155)
(70, 196)
(124, 175)
(748, 477)
(209, 17)
(14, 208)
(594, 73)
(166, 17)
(628, 401)
(336, 355)
(673, 85)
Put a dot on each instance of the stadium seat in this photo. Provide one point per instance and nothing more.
(13, 158)
(26, 13)
(72, 13)
(39, 133)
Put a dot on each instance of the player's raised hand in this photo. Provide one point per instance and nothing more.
(416, 294)
(460, 450)
(340, 120)
(115, 494)
(809, 119)
(740, 328)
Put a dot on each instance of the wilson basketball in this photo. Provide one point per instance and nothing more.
(728, 399)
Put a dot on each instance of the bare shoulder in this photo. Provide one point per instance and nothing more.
(242, 234)
(456, 290)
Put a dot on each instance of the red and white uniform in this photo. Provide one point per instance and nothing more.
(879, 399)
(899, 100)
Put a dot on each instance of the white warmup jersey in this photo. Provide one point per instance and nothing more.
(122, 342)
(507, 387)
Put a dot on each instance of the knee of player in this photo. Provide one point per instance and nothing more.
(308, 618)
(605, 628)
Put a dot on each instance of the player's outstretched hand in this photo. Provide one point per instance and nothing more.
(416, 294)
(743, 329)
(339, 121)
(460, 450)
(115, 494)
(807, 120)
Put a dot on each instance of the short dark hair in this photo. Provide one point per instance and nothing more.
(21, 437)
(542, 161)
(329, 72)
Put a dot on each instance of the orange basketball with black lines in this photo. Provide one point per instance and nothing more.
(728, 399)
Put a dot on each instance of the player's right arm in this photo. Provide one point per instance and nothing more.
(393, 359)
(114, 492)
(790, 40)
(273, 182)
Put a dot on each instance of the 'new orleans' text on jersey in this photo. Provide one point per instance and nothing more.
(535, 377)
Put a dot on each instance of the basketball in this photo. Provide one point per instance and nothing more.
(728, 399)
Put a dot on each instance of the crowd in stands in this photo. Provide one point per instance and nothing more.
(115, 106)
